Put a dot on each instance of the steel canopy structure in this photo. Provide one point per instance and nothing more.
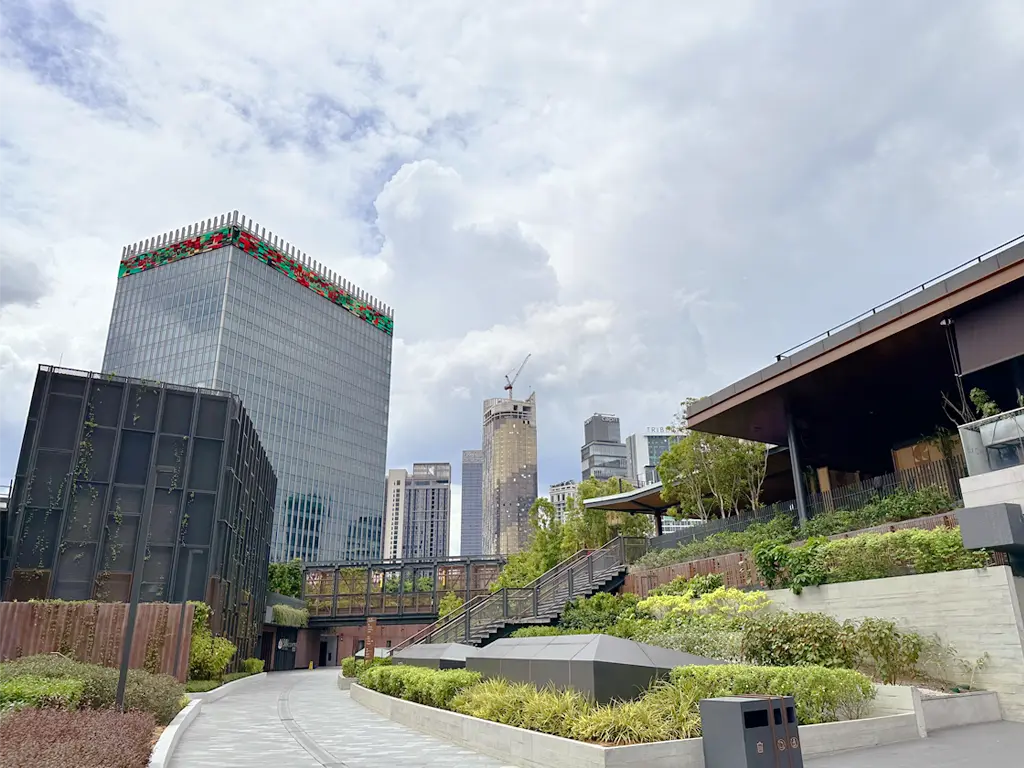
(645, 501)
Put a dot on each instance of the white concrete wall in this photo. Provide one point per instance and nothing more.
(1001, 486)
(978, 611)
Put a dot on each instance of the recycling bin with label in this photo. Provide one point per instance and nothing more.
(750, 732)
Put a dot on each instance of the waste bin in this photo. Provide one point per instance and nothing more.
(750, 732)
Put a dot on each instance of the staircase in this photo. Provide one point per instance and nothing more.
(541, 602)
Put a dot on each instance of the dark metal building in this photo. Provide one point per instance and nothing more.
(110, 465)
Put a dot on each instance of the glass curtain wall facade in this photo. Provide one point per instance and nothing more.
(428, 495)
(472, 503)
(510, 473)
(230, 307)
(603, 455)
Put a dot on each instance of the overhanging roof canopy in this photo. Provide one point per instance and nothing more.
(842, 381)
(646, 500)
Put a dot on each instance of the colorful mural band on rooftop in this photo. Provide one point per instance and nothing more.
(258, 249)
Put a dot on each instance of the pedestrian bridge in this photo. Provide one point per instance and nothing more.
(392, 591)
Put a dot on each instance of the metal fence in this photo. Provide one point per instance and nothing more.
(943, 474)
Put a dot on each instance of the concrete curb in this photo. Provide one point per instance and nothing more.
(345, 683)
(223, 690)
(529, 749)
(168, 741)
(960, 709)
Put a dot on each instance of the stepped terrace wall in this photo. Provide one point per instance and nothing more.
(738, 570)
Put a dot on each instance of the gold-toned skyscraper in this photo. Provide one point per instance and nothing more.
(510, 473)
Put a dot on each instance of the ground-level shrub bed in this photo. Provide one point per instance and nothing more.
(668, 710)
(40, 692)
(897, 507)
(43, 738)
(160, 695)
(202, 686)
(351, 666)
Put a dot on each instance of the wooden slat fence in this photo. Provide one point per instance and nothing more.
(94, 632)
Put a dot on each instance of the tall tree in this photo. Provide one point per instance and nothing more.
(285, 578)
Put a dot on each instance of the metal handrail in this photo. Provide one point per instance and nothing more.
(481, 603)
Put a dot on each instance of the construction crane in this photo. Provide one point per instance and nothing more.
(510, 381)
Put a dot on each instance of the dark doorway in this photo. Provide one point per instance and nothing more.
(322, 662)
(267, 650)
(284, 653)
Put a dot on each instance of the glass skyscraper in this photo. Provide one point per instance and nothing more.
(226, 305)
(472, 503)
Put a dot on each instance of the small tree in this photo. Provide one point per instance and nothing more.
(450, 603)
(285, 578)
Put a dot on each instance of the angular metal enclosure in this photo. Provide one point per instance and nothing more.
(602, 667)
(750, 731)
(439, 656)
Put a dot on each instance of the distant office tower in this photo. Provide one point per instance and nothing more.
(510, 473)
(417, 512)
(560, 493)
(603, 455)
(644, 450)
(227, 305)
(472, 503)
(394, 514)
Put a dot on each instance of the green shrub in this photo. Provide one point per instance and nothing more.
(159, 695)
(699, 585)
(521, 705)
(40, 692)
(795, 639)
(208, 656)
(725, 608)
(418, 684)
(778, 529)
(541, 632)
(351, 666)
(449, 604)
(286, 616)
(202, 686)
(891, 654)
(252, 666)
(868, 556)
(822, 695)
(665, 712)
(597, 613)
(695, 637)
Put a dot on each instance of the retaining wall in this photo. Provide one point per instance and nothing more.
(977, 611)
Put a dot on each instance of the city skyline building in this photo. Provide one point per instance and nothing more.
(603, 455)
(644, 451)
(225, 304)
(428, 499)
(394, 514)
(559, 495)
(509, 473)
(471, 542)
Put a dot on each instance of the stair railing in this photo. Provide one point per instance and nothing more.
(575, 575)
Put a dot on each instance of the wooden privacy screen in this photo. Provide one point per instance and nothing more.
(94, 632)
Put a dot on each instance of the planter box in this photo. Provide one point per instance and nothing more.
(163, 751)
(223, 690)
(529, 749)
(960, 709)
(344, 683)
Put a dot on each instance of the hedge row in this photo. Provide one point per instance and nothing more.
(43, 738)
(668, 710)
(899, 506)
(351, 666)
(54, 680)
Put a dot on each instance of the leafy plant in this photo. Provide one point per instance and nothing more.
(286, 616)
(597, 613)
(208, 656)
(40, 692)
(822, 695)
(435, 688)
(794, 639)
(892, 654)
(285, 578)
(252, 666)
(39, 738)
(449, 604)
(725, 608)
(160, 695)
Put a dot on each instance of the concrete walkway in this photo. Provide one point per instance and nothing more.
(301, 720)
(975, 746)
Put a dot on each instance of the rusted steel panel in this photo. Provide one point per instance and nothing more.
(94, 632)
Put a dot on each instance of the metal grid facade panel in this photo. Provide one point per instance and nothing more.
(111, 464)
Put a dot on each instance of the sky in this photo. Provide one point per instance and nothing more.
(652, 199)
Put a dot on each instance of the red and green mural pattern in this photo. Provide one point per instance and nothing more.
(258, 249)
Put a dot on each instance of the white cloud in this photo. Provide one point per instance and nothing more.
(651, 200)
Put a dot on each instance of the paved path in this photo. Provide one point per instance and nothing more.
(301, 720)
(975, 746)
